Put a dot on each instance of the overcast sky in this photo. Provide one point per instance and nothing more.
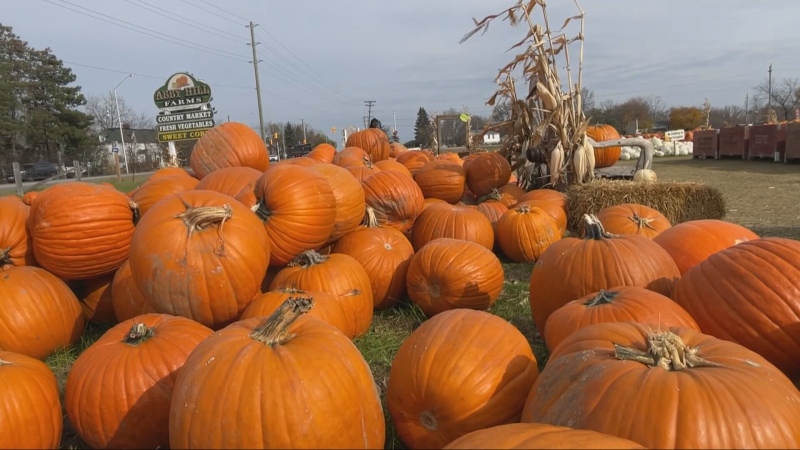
(323, 58)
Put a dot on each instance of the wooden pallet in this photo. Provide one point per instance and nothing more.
(615, 172)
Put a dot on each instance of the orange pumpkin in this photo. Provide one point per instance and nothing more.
(630, 218)
(388, 164)
(169, 172)
(327, 307)
(396, 149)
(260, 365)
(524, 233)
(414, 160)
(349, 196)
(361, 173)
(352, 156)
(441, 179)
(440, 389)
(236, 182)
(487, 171)
(126, 300)
(323, 153)
(95, 298)
(133, 367)
(373, 141)
(16, 248)
(230, 144)
(547, 195)
(30, 409)
(155, 189)
(608, 156)
(551, 208)
(396, 199)
(538, 436)
(29, 197)
(452, 221)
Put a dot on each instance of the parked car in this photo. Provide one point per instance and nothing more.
(38, 171)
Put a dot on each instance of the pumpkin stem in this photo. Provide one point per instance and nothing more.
(274, 330)
(641, 222)
(494, 195)
(138, 333)
(370, 220)
(5, 256)
(602, 298)
(307, 259)
(666, 350)
(524, 209)
(367, 161)
(199, 218)
(137, 213)
(594, 229)
(5, 363)
(260, 208)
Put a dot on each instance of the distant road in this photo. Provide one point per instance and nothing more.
(131, 176)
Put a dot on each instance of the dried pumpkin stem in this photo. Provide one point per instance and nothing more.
(274, 330)
(307, 259)
(602, 298)
(494, 195)
(5, 363)
(137, 213)
(641, 222)
(370, 220)
(665, 350)
(138, 333)
(260, 208)
(594, 229)
(5, 256)
(201, 217)
(524, 209)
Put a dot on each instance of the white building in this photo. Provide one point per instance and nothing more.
(141, 144)
(491, 137)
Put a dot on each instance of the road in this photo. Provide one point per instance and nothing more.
(28, 184)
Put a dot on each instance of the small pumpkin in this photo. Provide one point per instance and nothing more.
(631, 218)
(608, 156)
(230, 144)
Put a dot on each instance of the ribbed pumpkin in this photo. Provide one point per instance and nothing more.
(690, 243)
(396, 199)
(169, 172)
(524, 233)
(604, 157)
(551, 208)
(441, 179)
(547, 195)
(337, 274)
(414, 160)
(450, 156)
(452, 221)
(230, 144)
(237, 182)
(81, 230)
(349, 195)
(388, 164)
(450, 273)
(492, 210)
(396, 149)
(352, 156)
(716, 394)
(298, 208)
(327, 307)
(303, 161)
(631, 218)
(38, 312)
(200, 255)
(385, 254)
(30, 407)
(440, 389)
(299, 372)
(538, 436)
(373, 141)
(16, 248)
(95, 298)
(618, 304)
(126, 300)
(323, 153)
(155, 189)
(574, 267)
(487, 171)
(361, 173)
(748, 294)
(119, 390)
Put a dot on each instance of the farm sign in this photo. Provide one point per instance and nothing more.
(184, 110)
(675, 135)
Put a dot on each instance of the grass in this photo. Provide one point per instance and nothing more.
(128, 183)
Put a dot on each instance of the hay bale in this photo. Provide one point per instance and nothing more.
(677, 201)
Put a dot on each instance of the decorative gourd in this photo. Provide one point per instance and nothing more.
(200, 255)
(524, 233)
(16, 248)
(396, 199)
(747, 294)
(155, 189)
(119, 390)
(236, 182)
(39, 314)
(126, 300)
(538, 436)
(619, 304)
(690, 243)
(450, 273)
(608, 156)
(337, 274)
(299, 372)
(81, 230)
(487, 171)
(631, 218)
(298, 208)
(452, 221)
(680, 373)
(373, 141)
(440, 389)
(30, 407)
(574, 267)
(349, 196)
(441, 179)
(230, 144)
(385, 254)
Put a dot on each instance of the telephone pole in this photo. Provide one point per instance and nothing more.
(369, 104)
(769, 92)
(303, 123)
(255, 62)
(747, 109)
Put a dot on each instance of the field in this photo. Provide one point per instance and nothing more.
(758, 194)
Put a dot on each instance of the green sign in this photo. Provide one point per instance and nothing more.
(182, 92)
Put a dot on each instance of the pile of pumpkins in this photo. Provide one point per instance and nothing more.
(237, 292)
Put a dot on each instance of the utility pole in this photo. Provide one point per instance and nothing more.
(255, 62)
(369, 104)
(747, 109)
(303, 123)
(365, 121)
(769, 93)
(394, 117)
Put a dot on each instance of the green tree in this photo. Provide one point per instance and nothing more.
(422, 128)
(289, 136)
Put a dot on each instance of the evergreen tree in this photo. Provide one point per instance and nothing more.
(289, 135)
(422, 128)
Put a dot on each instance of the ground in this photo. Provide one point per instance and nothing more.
(759, 195)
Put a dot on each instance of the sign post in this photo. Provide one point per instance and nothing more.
(675, 136)
(184, 111)
(115, 150)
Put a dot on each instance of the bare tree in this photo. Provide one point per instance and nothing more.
(785, 95)
(103, 110)
(587, 97)
(729, 115)
(656, 107)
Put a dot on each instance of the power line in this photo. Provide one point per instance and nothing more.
(194, 24)
(223, 10)
(150, 76)
(211, 12)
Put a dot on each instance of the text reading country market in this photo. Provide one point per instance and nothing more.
(184, 111)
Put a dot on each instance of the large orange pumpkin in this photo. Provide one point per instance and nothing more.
(619, 304)
(716, 394)
(631, 218)
(323, 153)
(81, 230)
(450, 273)
(230, 144)
(298, 208)
(547, 195)
(608, 156)
(349, 195)
(748, 294)
(352, 156)
(690, 243)
(200, 255)
(237, 182)
(414, 160)
(440, 389)
(30, 407)
(524, 233)
(396, 199)
(38, 312)
(452, 221)
(441, 179)
(326, 306)
(551, 208)
(486, 172)
(388, 164)
(538, 436)
(574, 267)
(155, 189)
(119, 390)
(299, 372)
(373, 141)
(16, 248)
